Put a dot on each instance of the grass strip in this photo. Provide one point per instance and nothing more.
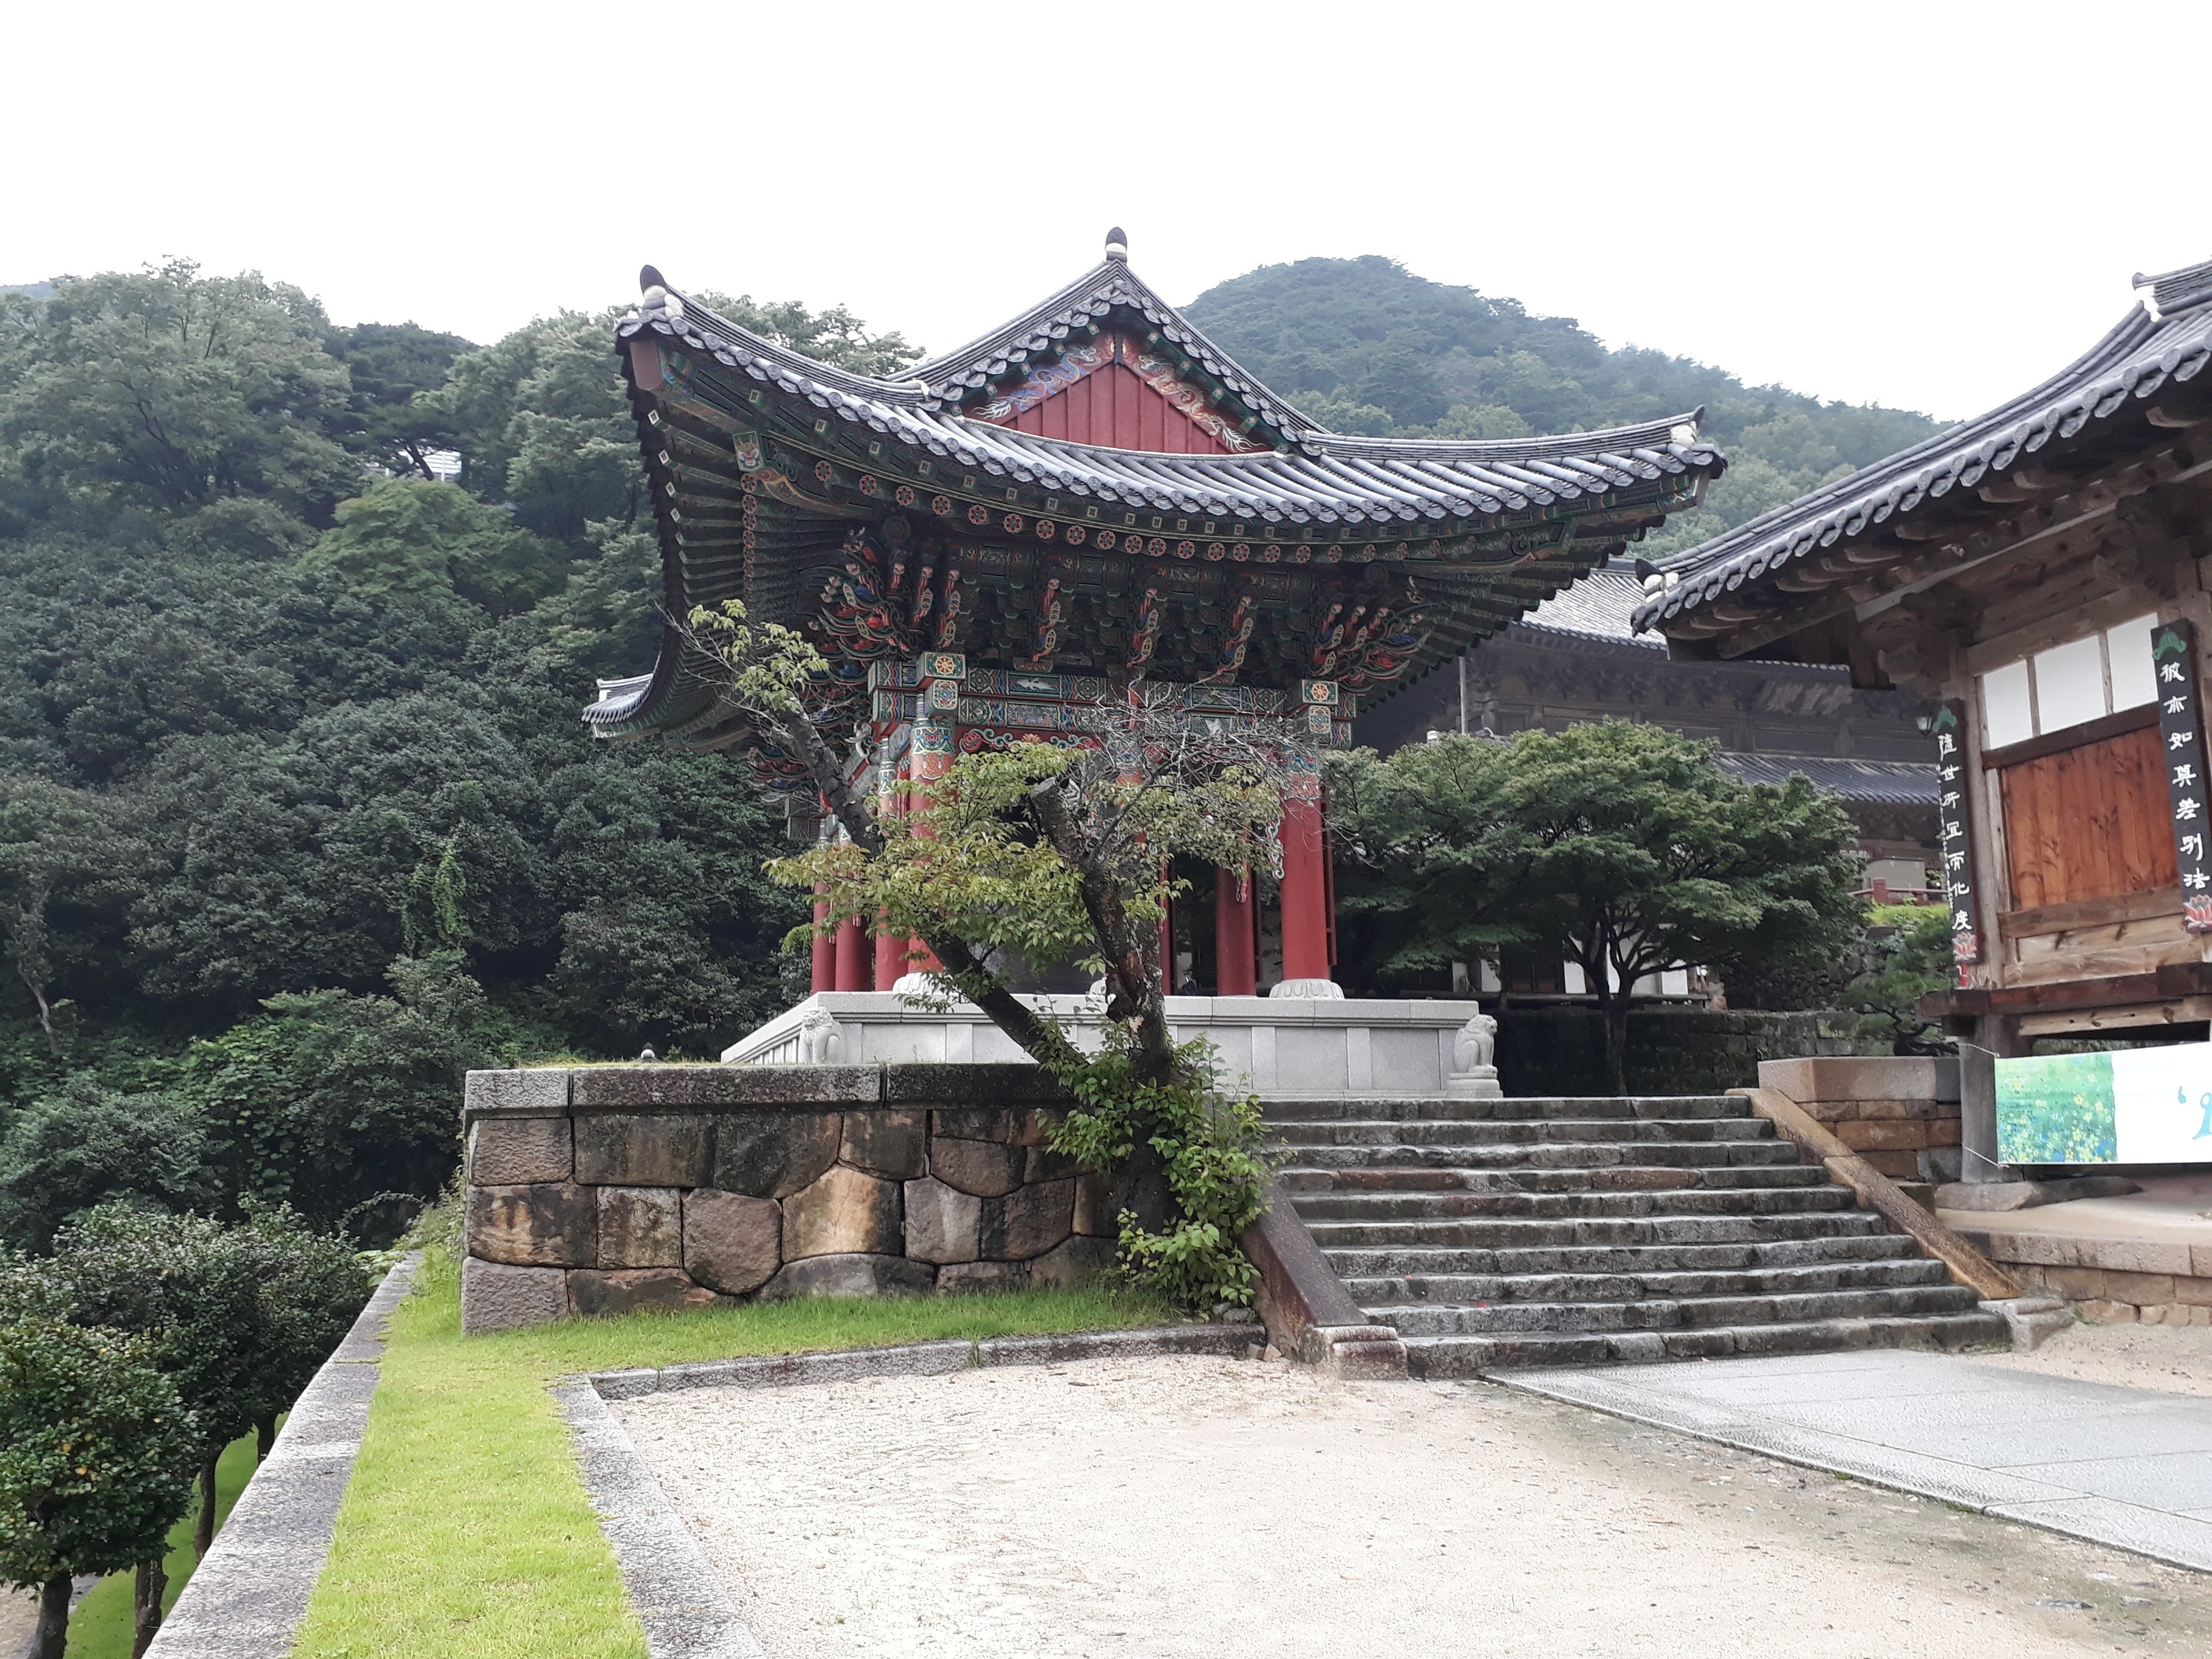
(99, 1625)
(465, 1528)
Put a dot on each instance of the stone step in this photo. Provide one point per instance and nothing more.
(1301, 1179)
(1496, 1233)
(1635, 1260)
(1677, 1200)
(1467, 1356)
(1675, 1313)
(1469, 1289)
(1641, 1106)
(1592, 1155)
(1535, 1133)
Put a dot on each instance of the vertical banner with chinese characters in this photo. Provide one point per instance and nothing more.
(2181, 741)
(1954, 799)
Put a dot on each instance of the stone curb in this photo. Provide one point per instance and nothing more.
(686, 1612)
(245, 1599)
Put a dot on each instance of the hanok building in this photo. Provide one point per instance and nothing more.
(2037, 570)
(991, 548)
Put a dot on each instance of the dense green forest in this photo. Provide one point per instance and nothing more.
(297, 816)
(1363, 345)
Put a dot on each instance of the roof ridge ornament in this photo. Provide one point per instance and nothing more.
(1117, 245)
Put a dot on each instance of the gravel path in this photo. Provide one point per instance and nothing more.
(1170, 1507)
(2169, 1359)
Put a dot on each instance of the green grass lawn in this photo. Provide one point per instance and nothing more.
(466, 1529)
(99, 1627)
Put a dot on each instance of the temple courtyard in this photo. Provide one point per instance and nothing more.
(1165, 1506)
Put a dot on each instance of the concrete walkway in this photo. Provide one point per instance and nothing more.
(2124, 1467)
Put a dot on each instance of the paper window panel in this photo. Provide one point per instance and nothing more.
(2127, 649)
(2070, 684)
(2007, 715)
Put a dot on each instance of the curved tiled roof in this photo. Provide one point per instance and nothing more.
(1328, 479)
(1903, 783)
(2169, 338)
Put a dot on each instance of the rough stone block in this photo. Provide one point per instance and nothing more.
(733, 1243)
(1008, 1127)
(1029, 1221)
(884, 1143)
(988, 1169)
(843, 1213)
(2144, 1290)
(2154, 1313)
(1072, 1261)
(638, 1149)
(941, 1222)
(1874, 1134)
(991, 1084)
(552, 1224)
(1862, 1077)
(972, 1276)
(774, 1154)
(2108, 1313)
(495, 1297)
(1897, 1165)
(509, 1151)
(1095, 1215)
(1045, 1164)
(2200, 1260)
(2198, 1313)
(661, 1087)
(2196, 1292)
(539, 1090)
(595, 1295)
(2075, 1284)
(851, 1275)
(640, 1227)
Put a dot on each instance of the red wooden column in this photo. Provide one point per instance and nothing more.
(935, 742)
(1237, 958)
(1308, 923)
(852, 955)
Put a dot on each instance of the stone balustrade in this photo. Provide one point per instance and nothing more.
(603, 1190)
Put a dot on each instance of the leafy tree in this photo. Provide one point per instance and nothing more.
(389, 364)
(94, 1449)
(1626, 847)
(169, 390)
(60, 852)
(1912, 955)
(85, 1145)
(313, 1285)
(407, 536)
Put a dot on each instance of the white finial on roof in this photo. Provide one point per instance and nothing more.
(1117, 245)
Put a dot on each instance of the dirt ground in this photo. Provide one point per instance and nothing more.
(1214, 1507)
(19, 1618)
(2169, 1359)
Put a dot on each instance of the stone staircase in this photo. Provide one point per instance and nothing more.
(1493, 1233)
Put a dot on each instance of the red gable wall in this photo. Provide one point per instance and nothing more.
(1113, 407)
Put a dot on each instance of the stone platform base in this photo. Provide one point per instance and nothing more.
(1282, 1048)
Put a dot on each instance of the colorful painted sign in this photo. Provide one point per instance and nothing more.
(2181, 740)
(1956, 815)
(2128, 1106)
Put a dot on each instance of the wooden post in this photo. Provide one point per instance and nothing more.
(1236, 934)
(1308, 924)
(824, 975)
(935, 742)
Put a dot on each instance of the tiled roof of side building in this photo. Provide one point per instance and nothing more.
(1598, 607)
(1906, 783)
(2166, 339)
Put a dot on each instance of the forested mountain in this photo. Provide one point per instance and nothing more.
(1363, 345)
(297, 816)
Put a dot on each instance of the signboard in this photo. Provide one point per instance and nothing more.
(2130, 1106)
(2181, 741)
(1954, 803)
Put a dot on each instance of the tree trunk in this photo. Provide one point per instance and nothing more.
(203, 1527)
(53, 1618)
(151, 1584)
(265, 1437)
(1613, 1007)
(38, 991)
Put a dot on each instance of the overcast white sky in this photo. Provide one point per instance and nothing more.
(1931, 205)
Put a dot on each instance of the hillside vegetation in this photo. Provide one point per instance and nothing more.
(1363, 345)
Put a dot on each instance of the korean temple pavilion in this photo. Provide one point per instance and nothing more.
(990, 548)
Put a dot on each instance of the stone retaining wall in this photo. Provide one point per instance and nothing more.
(1554, 1051)
(597, 1190)
(2111, 1281)
(1899, 1113)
